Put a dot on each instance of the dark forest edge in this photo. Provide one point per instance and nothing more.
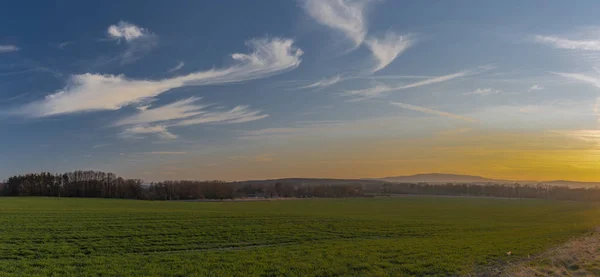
(108, 185)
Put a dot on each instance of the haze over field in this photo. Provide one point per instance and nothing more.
(431, 178)
(245, 90)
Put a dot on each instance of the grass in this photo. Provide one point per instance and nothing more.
(406, 236)
(578, 257)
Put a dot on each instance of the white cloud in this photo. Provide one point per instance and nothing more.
(177, 67)
(159, 130)
(183, 113)
(431, 111)
(101, 145)
(239, 114)
(346, 16)
(126, 31)
(535, 87)
(362, 94)
(565, 43)
(274, 131)
(387, 49)
(139, 40)
(324, 83)
(176, 110)
(164, 153)
(595, 81)
(62, 45)
(8, 48)
(187, 112)
(94, 92)
(482, 92)
(369, 127)
(380, 90)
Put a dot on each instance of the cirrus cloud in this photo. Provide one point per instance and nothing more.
(341, 15)
(380, 90)
(482, 92)
(388, 48)
(8, 48)
(159, 130)
(96, 92)
(569, 44)
(189, 112)
(182, 113)
(432, 111)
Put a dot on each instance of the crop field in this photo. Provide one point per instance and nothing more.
(404, 236)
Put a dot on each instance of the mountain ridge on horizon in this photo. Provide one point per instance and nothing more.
(430, 178)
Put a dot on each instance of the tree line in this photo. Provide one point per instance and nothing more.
(73, 184)
(108, 185)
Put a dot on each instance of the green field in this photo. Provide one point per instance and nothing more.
(338, 237)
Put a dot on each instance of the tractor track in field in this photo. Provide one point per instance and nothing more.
(261, 245)
(579, 256)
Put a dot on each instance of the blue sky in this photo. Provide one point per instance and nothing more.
(263, 89)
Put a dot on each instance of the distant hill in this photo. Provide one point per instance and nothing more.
(433, 178)
(441, 178)
(456, 178)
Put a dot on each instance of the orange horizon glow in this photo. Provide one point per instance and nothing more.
(532, 156)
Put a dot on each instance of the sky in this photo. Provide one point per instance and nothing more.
(236, 90)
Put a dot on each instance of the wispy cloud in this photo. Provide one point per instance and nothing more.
(372, 92)
(482, 92)
(393, 77)
(238, 114)
(285, 132)
(342, 15)
(176, 110)
(380, 90)
(126, 31)
(8, 48)
(344, 129)
(164, 152)
(61, 45)
(387, 49)
(431, 111)
(158, 130)
(139, 40)
(101, 145)
(94, 92)
(565, 43)
(184, 113)
(535, 87)
(189, 112)
(324, 83)
(595, 81)
(177, 67)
